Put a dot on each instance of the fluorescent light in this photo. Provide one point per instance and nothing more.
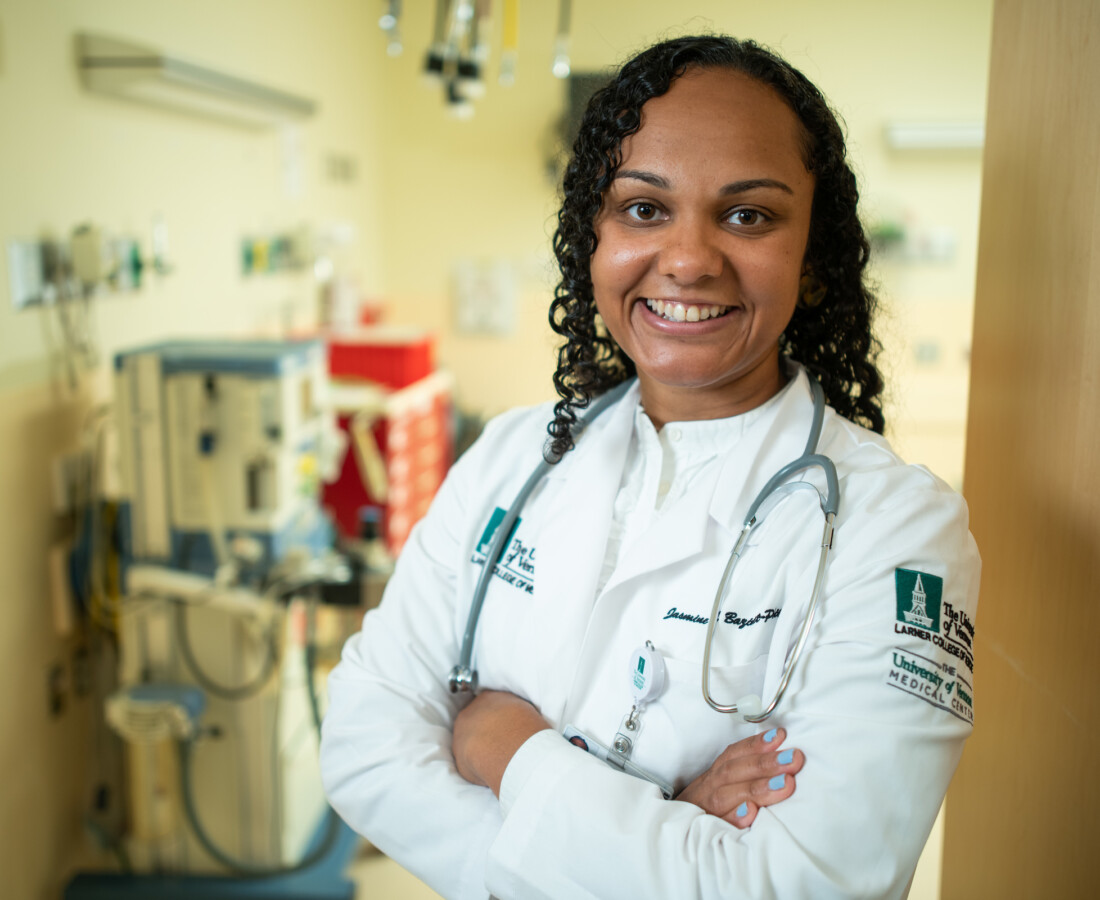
(129, 70)
(934, 135)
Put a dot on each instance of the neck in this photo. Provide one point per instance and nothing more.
(664, 403)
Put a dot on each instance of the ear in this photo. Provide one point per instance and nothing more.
(811, 291)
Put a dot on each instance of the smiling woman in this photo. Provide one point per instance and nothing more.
(712, 267)
(709, 211)
(771, 114)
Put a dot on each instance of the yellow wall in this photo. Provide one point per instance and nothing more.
(429, 191)
(67, 157)
(453, 189)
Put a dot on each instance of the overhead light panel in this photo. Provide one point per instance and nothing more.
(934, 135)
(135, 72)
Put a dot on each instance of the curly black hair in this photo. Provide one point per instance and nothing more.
(833, 339)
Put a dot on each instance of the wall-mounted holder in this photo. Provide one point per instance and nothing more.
(277, 252)
(40, 270)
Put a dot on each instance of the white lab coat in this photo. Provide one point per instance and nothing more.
(881, 736)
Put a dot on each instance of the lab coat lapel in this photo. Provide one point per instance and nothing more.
(573, 538)
(765, 446)
(673, 536)
(777, 438)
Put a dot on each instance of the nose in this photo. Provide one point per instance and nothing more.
(690, 253)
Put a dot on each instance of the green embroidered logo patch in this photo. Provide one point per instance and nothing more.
(919, 597)
(494, 523)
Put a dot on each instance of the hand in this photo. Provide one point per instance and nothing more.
(487, 734)
(739, 782)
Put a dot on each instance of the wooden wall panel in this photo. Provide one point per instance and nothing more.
(1023, 815)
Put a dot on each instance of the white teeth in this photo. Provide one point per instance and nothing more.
(677, 312)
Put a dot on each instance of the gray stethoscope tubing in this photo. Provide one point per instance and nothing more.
(750, 707)
(463, 677)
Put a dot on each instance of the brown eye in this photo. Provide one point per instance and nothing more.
(747, 217)
(643, 212)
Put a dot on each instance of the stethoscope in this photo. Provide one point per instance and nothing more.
(463, 678)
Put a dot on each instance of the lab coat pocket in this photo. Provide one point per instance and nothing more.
(687, 731)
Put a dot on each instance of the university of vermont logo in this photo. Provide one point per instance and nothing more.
(919, 597)
(495, 519)
(516, 565)
(939, 678)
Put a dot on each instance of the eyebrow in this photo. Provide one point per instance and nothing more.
(734, 187)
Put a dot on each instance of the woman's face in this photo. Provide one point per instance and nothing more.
(700, 245)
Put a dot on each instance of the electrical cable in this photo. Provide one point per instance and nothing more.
(72, 310)
(509, 43)
(240, 867)
(561, 65)
(310, 651)
(101, 522)
(226, 692)
(565, 17)
(435, 60)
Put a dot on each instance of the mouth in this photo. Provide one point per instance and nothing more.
(671, 311)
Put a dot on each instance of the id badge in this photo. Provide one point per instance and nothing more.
(578, 738)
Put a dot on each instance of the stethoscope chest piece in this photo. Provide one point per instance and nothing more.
(462, 680)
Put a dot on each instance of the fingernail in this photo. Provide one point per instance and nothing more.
(742, 810)
(776, 784)
(785, 757)
(769, 737)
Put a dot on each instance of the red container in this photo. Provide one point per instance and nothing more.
(384, 354)
(406, 437)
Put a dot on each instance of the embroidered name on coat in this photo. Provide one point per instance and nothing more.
(728, 618)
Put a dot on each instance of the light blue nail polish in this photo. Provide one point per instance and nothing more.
(776, 784)
(785, 757)
(742, 810)
(769, 737)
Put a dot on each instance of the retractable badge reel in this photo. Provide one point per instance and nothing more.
(647, 680)
(648, 677)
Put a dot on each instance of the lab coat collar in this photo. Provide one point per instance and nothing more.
(573, 538)
(773, 440)
(584, 486)
(680, 532)
(591, 481)
(674, 535)
(606, 442)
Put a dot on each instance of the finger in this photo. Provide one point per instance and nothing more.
(775, 785)
(764, 765)
(756, 744)
(768, 779)
(743, 815)
(766, 793)
(743, 769)
(772, 790)
(790, 760)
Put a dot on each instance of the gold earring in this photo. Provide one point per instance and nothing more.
(810, 291)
